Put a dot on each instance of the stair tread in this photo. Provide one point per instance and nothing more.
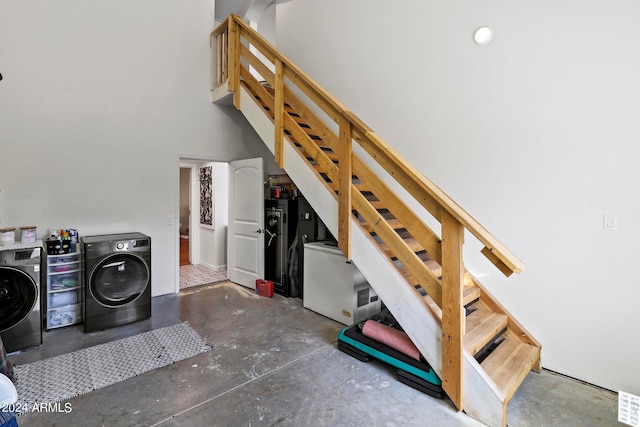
(317, 139)
(378, 204)
(326, 150)
(331, 155)
(470, 294)
(509, 365)
(359, 187)
(482, 326)
(393, 223)
(413, 244)
(431, 265)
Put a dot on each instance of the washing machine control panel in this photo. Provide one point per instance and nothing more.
(131, 245)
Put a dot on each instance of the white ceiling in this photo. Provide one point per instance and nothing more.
(225, 8)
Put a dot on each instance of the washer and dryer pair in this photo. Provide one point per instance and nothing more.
(20, 312)
(117, 287)
(117, 279)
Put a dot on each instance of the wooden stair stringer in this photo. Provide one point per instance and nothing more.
(419, 319)
(482, 398)
(410, 309)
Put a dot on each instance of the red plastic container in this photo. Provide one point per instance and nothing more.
(264, 288)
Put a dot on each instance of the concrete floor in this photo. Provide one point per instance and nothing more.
(275, 363)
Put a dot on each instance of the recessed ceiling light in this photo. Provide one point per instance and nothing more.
(483, 35)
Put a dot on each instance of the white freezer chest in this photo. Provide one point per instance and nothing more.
(334, 287)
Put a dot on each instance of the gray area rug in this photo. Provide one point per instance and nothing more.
(63, 377)
(198, 274)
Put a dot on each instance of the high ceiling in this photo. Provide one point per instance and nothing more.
(225, 8)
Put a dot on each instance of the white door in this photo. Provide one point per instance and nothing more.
(245, 251)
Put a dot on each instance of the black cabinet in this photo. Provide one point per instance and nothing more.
(280, 224)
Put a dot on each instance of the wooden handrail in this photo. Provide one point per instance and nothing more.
(433, 198)
(221, 28)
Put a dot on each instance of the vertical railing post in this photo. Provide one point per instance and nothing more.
(214, 51)
(234, 61)
(223, 72)
(345, 165)
(278, 119)
(452, 310)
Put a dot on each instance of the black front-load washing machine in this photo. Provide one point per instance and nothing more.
(117, 270)
(20, 314)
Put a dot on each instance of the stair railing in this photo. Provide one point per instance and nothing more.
(233, 61)
(219, 45)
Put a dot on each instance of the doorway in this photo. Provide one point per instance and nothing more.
(202, 222)
(185, 214)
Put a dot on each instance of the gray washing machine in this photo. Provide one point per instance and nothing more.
(117, 270)
(20, 311)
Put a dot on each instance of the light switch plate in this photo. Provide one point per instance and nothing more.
(609, 222)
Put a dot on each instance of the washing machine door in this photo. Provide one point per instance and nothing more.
(18, 296)
(119, 279)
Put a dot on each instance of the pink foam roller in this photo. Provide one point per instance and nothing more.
(391, 337)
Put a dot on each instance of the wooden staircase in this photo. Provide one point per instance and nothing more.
(478, 349)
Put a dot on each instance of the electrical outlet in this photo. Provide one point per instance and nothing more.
(629, 409)
(169, 220)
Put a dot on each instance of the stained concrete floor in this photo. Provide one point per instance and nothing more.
(275, 363)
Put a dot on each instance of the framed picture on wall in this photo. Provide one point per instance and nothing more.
(206, 197)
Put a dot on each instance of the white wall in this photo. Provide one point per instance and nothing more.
(98, 103)
(535, 135)
(267, 24)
